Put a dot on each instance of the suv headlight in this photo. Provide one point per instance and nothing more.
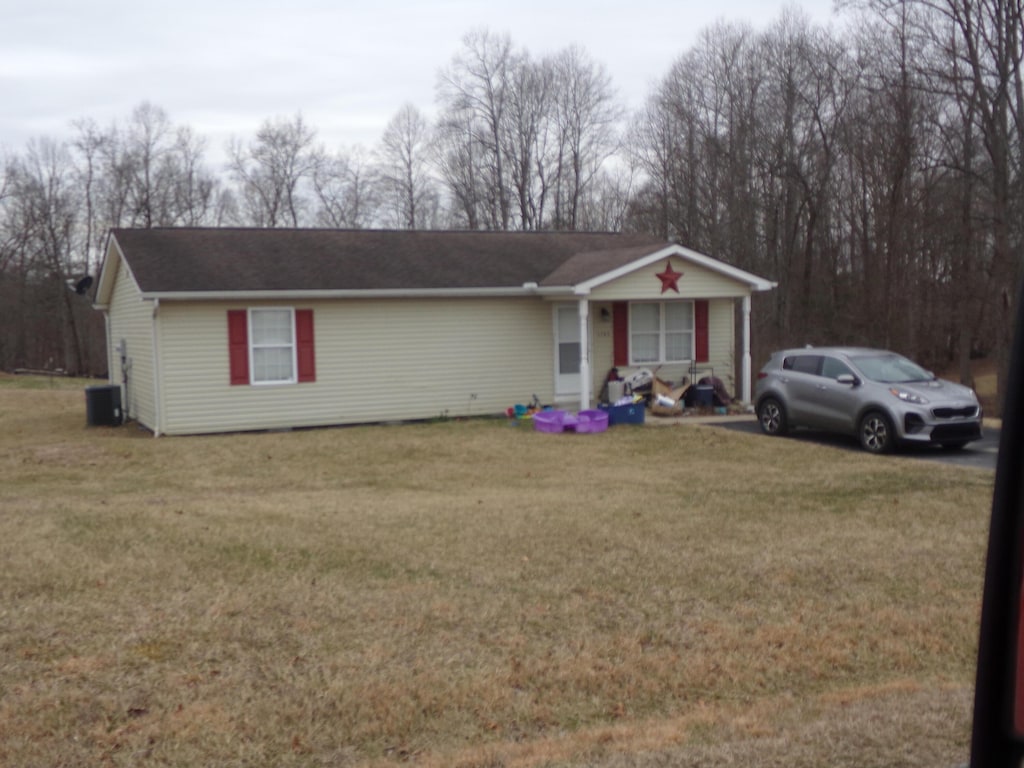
(908, 397)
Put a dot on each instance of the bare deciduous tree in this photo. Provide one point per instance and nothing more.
(525, 139)
(272, 169)
(587, 116)
(473, 93)
(406, 186)
(985, 41)
(456, 156)
(42, 214)
(345, 187)
(519, 139)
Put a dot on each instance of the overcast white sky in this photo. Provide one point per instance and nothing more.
(224, 66)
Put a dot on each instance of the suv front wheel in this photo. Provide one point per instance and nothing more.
(876, 433)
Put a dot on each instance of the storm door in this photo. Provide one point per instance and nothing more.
(567, 350)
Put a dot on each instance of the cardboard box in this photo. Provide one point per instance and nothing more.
(661, 393)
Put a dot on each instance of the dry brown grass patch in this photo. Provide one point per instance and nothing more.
(477, 594)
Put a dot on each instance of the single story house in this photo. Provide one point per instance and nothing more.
(222, 330)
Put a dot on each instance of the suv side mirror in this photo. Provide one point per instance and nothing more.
(848, 378)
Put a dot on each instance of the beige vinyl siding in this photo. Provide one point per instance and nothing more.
(697, 282)
(602, 347)
(130, 319)
(376, 360)
(721, 341)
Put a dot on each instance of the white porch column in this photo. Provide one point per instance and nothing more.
(585, 378)
(746, 349)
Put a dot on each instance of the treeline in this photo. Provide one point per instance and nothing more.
(876, 174)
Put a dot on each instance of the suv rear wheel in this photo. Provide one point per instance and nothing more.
(772, 417)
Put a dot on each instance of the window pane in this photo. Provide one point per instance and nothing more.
(272, 364)
(645, 318)
(645, 347)
(271, 326)
(569, 357)
(568, 323)
(803, 363)
(678, 346)
(679, 316)
(833, 368)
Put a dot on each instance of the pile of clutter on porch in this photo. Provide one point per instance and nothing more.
(626, 400)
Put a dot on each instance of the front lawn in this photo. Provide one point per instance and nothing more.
(477, 594)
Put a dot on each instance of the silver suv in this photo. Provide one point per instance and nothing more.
(879, 396)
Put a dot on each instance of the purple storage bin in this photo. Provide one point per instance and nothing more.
(591, 421)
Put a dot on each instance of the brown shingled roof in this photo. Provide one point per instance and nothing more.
(227, 260)
(581, 267)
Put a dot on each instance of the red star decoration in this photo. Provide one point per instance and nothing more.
(669, 278)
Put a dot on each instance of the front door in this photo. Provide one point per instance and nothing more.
(567, 350)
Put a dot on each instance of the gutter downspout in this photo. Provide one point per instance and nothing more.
(158, 407)
(110, 350)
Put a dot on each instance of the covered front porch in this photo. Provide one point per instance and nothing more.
(679, 341)
(675, 312)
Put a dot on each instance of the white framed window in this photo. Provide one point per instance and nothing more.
(272, 346)
(660, 332)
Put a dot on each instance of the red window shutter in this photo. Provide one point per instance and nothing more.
(238, 346)
(620, 333)
(304, 344)
(700, 327)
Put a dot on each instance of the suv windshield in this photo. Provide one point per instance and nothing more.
(891, 369)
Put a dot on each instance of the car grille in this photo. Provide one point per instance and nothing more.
(954, 413)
